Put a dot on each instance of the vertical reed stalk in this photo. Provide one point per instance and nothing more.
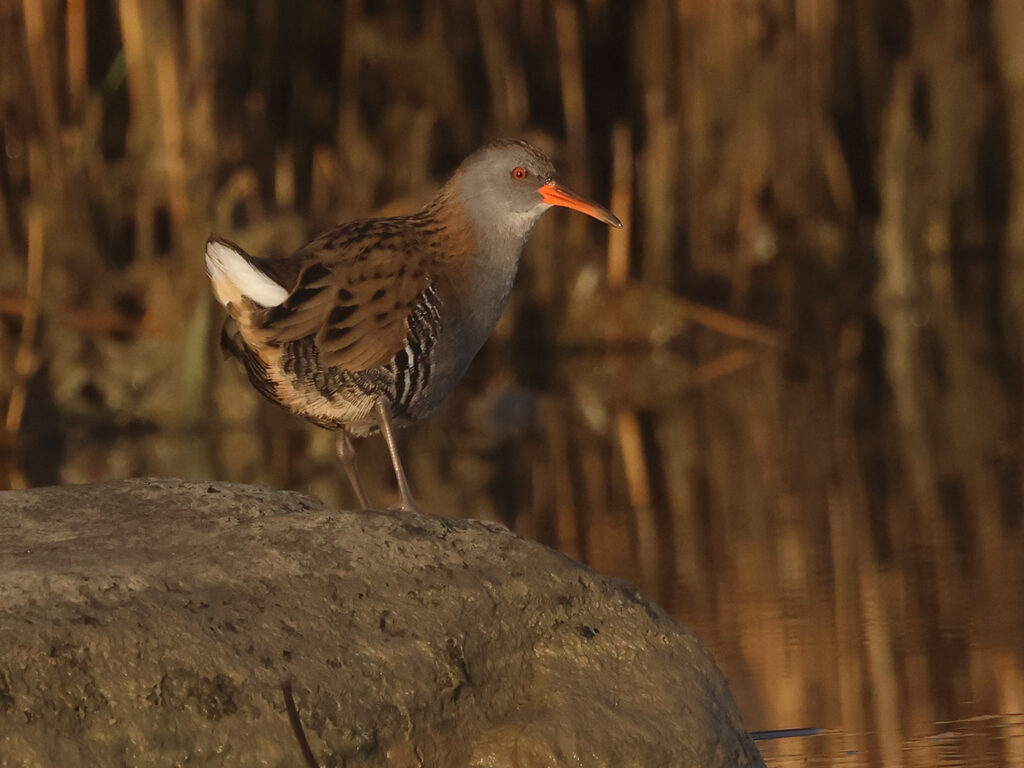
(638, 480)
(26, 360)
(168, 89)
(570, 68)
(77, 47)
(44, 84)
(617, 272)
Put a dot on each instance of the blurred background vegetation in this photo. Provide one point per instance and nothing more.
(786, 401)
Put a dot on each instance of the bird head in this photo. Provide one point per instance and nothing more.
(507, 185)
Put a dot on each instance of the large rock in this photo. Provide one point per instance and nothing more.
(151, 622)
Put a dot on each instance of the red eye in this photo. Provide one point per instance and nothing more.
(519, 173)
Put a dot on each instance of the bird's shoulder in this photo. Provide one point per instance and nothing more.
(366, 240)
(355, 287)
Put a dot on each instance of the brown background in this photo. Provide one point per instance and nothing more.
(785, 401)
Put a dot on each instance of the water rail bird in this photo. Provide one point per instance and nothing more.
(371, 324)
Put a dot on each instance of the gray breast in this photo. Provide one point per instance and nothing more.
(453, 334)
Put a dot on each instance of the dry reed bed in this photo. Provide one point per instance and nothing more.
(818, 466)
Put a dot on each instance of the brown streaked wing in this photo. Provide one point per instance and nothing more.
(353, 294)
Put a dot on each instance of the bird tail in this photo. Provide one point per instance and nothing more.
(236, 277)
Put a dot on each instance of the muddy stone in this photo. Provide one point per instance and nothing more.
(151, 622)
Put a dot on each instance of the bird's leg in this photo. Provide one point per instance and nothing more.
(384, 417)
(347, 453)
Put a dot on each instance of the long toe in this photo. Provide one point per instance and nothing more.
(406, 506)
(490, 525)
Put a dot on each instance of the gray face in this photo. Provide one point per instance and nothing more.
(505, 187)
(501, 179)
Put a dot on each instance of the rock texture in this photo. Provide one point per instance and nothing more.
(151, 622)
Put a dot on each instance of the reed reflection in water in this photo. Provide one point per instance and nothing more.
(731, 507)
(786, 402)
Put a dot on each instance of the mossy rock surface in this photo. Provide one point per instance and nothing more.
(152, 622)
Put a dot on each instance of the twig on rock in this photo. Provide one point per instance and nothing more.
(293, 718)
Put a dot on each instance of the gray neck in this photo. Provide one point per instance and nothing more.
(499, 235)
(480, 281)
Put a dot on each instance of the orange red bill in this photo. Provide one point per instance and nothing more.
(554, 193)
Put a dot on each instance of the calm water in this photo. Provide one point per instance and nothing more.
(754, 516)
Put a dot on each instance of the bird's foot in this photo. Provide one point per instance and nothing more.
(490, 525)
(407, 505)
